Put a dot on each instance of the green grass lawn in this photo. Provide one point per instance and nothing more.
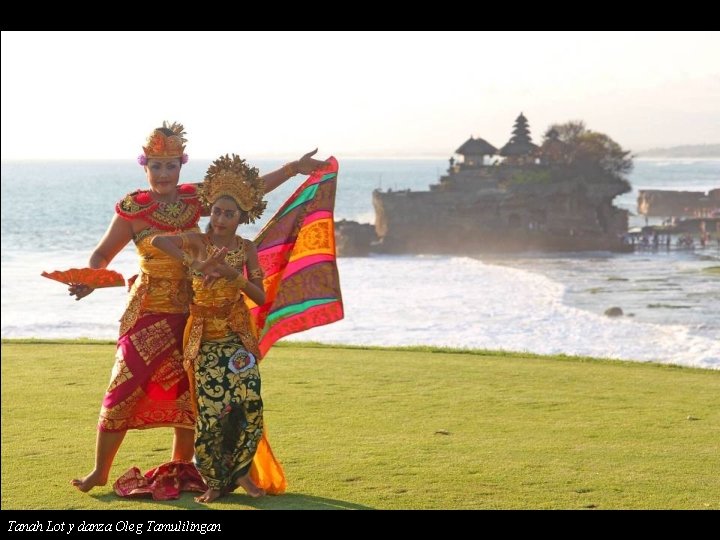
(404, 428)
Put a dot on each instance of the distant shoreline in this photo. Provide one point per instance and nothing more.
(695, 151)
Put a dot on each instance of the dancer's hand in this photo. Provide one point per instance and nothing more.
(79, 290)
(211, 278)
(307, 164)
(223, 270)
(209, 265)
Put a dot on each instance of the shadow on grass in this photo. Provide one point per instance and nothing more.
(288, 501)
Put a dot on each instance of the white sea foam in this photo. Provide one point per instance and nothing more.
(394, 300)
(461, 302)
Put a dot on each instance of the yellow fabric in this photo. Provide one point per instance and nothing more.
(189, 368)
(168, 290)
(162, 286)
(266, 471)
(220, 311)
(317, 238)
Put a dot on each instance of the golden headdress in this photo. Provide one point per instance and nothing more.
(163, 145)
(233, 177)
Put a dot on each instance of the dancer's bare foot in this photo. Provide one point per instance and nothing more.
(247, 484)
(209, 496)
(88, 482)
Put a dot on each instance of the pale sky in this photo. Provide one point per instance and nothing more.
(97, 95)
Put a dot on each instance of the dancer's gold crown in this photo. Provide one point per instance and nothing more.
(232, 176)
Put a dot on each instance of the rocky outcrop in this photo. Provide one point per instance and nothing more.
(614, 312)
(502, 209)
(353, 239)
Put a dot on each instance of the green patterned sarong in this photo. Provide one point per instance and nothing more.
(230, 412)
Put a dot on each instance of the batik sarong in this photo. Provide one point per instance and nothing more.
(229, 422)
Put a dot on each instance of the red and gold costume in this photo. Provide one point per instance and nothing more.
(149, 387)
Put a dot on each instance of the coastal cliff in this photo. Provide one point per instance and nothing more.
(502, 209)
(554, 197)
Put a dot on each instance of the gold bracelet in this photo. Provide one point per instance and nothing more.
(256, 273)
(188, 259)
(290, 169)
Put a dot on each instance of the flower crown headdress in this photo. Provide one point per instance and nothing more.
(231, 176)
(161, 144)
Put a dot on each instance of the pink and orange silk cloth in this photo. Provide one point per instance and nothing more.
(296, 250)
